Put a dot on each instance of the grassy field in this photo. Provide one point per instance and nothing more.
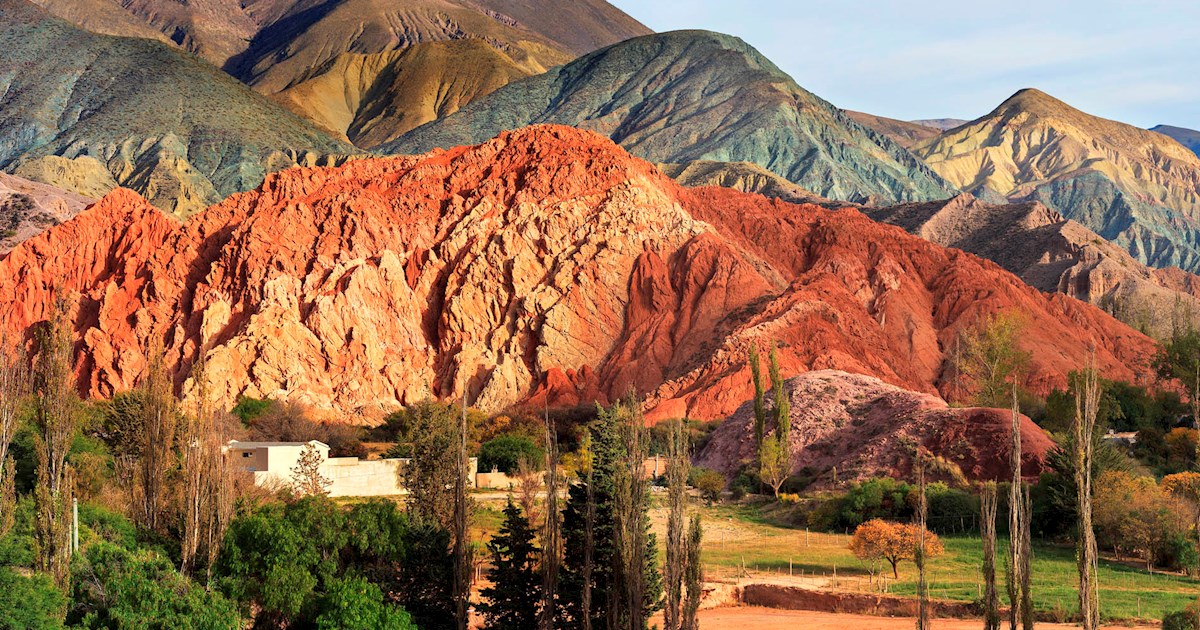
(737, 535)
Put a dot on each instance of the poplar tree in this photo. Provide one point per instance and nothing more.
(552, 532)
(760, 411)
(56, 415)
(1087, 405)
(159, 424)
(14, 384)
(675, 568)
(693, 576)
(988, 500)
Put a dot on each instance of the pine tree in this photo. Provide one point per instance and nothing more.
(606, 588)
(513, 601)
(307, 479)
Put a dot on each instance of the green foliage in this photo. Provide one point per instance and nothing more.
(608, 447)
(783, 405)
(951, 510)
(425, 583)
(278, 556)
(989, 361)
(513, 600)
(760, 412)
(1055, 498)
(883, 498)
(505, 452)
(709, 482)
(1178, 358)
(118, 589)
(356, 604)
(1179, 553)
(1185, 619)
(29, 603)
(248, 408)
(430, 428)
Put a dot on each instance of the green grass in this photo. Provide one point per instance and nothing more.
(753, 535)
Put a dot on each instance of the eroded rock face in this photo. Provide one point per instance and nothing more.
(866, 428)
(544, 265)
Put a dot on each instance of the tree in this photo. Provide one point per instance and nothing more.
(989, 361)
(307, 479)
(120, 588)
(593, 591)
(773, 463)
(1084, 427)
(462, 543)
(783, 407)
(513, 600)
(630, 522)
(693, 576)
(1133, 515)
(760, 412)
(505, 453)
(157, 462)
(919, 548)
(676, 553)
(14, 384)
(430, 429)
(353, 603)
(892, 542)
(987, 532)
(208, 480)
(1016, 577)
(1186, 486)
(1179, 358)
(709, 482)
(56, 414)
(551, 532)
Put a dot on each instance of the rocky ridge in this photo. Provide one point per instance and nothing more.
(546, 265)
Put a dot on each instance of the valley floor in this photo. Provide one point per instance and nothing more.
(739, 618)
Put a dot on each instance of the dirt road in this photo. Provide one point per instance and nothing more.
(742, 618)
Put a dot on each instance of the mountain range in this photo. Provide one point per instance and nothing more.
(1189, 138)
(1134, 187)
(694, 95)
(544, 265)
(138, 113)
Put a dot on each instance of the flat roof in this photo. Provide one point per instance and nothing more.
(239, 444)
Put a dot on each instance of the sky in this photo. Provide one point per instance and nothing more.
(1137, 61)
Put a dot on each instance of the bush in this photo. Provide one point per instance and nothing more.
(29, 603)
(356, 604)
(951, 511)
(709, 482)
(505, 453)
(1179, 553)
(881, 498)
(788, 498)
(1182, 619)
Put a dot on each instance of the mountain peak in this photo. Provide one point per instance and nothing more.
(1035, 101)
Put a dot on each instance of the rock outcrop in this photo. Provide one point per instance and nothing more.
(692, 96)
(545, 265)
(864, 428)
(27, 208)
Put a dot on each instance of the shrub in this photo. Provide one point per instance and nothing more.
(1182, 619)
(506, 452)
(951, 511)
(356, 604)
(881, 498)
(709, 482)
(29, 603)
(789, 498)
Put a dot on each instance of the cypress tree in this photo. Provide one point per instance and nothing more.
(513, 600)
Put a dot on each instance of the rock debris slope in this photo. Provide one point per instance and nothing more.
(546, 264)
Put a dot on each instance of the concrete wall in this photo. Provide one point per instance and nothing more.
(353, 477)
(495, 481)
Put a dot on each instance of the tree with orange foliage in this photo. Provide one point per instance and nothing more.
(895, 542)
(1186, 487)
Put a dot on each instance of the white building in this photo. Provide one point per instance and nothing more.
(273, 462)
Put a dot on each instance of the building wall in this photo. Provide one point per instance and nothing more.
(353, 477)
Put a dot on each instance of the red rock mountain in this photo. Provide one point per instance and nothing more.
(544, 264)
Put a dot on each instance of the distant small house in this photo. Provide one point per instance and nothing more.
(272, 464)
